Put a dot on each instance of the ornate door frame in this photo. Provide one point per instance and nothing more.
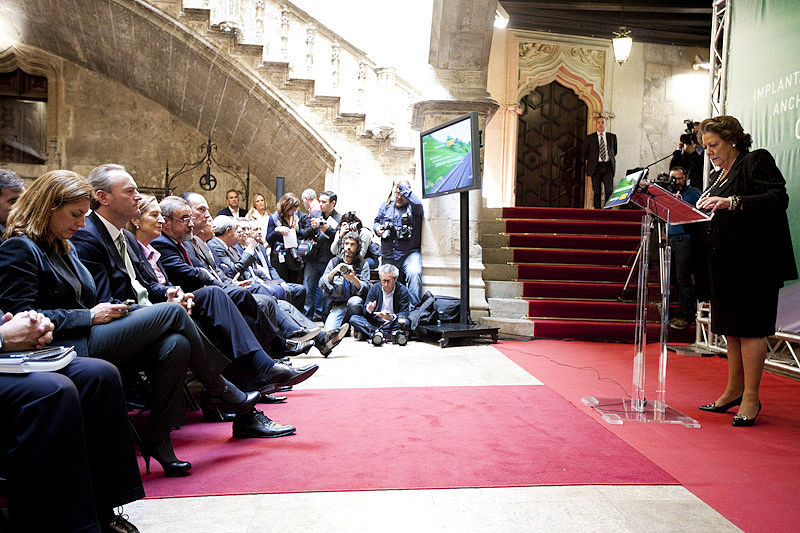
(578, 63)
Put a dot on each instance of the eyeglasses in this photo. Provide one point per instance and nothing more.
(186, 220)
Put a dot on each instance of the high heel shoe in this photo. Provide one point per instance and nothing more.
(742, 421)
(714, 408)
(162, 452)
(231, 398)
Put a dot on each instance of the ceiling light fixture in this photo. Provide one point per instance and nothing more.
(622, 42)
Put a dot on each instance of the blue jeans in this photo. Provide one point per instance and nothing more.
(410, 269)
(341, 312)
(313, 271)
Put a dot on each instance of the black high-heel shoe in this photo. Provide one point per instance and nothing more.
(162, 452)
(740, 421)
(714, 408)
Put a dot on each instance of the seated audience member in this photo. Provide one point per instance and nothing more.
(293, 323)
(217, 316)
(321, 229)
(258, 214)
(11, 188)
(108, 253)
(232, 209)
(39, 269)
(350, 222)
(262, 269)
(65, 433)
(387, 301)
(285, 227)
(344, 282)
(191, 264)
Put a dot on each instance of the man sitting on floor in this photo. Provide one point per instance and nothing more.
(387, 303)
(344, 283)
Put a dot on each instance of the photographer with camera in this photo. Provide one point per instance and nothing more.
(321, 228)
(399, 225)
(679, 238)
(344, 283)
(370, 251)
(688, 157)
(386, 313)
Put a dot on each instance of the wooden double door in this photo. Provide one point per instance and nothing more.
(551, 131)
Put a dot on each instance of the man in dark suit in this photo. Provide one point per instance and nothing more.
(599, 156)
(115, 276)
(11, 188)
(233, 209)
(290, 319)
(42, 414)
(387, 302)
(322, 231)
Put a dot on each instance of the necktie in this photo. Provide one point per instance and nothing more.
(138, 288)
(185, 255)
(603, 152)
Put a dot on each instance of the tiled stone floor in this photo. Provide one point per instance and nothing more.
(524, 509)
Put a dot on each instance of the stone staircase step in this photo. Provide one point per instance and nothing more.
(517, 327)
(508, 307)
(504, 289)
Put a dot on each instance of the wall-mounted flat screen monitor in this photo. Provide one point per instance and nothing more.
(451, 160)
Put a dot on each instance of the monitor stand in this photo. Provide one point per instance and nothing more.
(464, 328)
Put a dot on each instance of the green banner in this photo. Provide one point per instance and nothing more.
(763, 89)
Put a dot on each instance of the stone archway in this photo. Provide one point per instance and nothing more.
(146, 50)
(580, 68)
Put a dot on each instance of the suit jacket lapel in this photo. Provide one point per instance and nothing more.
(108, 244)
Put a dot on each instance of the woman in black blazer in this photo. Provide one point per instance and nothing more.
(750, 256)
(40, 270)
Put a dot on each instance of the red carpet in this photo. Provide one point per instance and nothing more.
(409, 438)
(747, 474)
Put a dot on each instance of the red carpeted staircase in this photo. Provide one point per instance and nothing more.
(572, 265)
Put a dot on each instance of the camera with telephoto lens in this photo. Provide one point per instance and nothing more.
(398, 335)
(402, 231)
(663, 179)
(344, 268)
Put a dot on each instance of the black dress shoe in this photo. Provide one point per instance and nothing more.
(740, 421)
(258, 425)
(118, 524)
(232, 399)
(282, 375)
(297, 347)
(714, 408)
(162, 452)
(270, 398)
(215, 414)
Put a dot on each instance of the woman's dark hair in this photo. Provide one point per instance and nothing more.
(350, 218)
(729, 129)
(287, 202)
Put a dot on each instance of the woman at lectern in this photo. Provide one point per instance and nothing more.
(750, 256)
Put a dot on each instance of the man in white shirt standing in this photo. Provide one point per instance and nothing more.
(599, 153)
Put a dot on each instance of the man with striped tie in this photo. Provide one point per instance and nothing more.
(599, 152)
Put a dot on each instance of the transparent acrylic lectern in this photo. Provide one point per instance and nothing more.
(658, 204)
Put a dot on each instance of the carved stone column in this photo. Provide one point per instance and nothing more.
(461, 38)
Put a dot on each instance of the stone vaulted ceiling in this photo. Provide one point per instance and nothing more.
(139, 46)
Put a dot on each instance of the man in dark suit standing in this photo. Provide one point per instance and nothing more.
(599, 156)
(387, 302)
(233, 209)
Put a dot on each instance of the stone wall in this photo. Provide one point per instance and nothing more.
(99, 120)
